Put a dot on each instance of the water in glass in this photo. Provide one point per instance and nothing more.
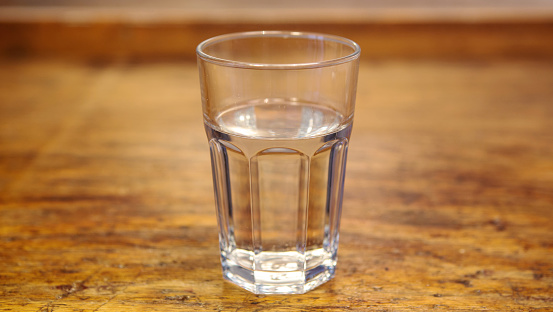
(278, 174)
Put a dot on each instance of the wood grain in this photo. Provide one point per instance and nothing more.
(165, 41)
(106, 199)
(170, 30)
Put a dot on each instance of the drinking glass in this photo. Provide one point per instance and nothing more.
(278, 111)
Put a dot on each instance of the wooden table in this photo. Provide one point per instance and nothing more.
(106, 199)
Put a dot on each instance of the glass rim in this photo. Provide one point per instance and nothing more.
(276, 34)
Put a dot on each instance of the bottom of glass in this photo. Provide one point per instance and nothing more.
(278, 272)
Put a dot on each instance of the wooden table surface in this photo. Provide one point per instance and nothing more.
(106, 195)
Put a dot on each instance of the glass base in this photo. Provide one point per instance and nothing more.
(278, 272)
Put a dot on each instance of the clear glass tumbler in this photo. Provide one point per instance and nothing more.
(278, 112)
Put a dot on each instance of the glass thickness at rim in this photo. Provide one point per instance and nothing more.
(277, 34)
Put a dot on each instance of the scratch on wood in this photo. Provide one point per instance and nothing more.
(116, 294)
(75, 287)
(246, 299)
(71, 289)
(47, 308)
(107, 301)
